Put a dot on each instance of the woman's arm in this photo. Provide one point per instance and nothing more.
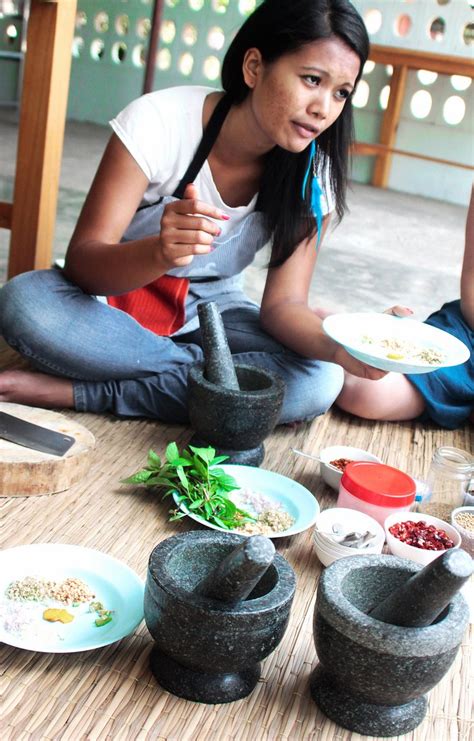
(467, 275)
(99, 263)
(286, 315)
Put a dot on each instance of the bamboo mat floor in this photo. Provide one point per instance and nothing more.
(110, 693)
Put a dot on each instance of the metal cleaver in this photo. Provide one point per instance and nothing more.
(34, 436)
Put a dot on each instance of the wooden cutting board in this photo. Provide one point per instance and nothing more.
(26, 472)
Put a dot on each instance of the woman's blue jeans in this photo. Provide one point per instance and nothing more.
(118, 366)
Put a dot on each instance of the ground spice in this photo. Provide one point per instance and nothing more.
(340, 463)
(421, 535)
(465, 520)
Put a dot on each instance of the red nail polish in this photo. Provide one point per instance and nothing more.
(225, 217)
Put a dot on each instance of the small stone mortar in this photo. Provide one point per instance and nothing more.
(373, 675)
(216, 604)
(231, 407)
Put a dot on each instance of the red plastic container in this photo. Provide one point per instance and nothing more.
(376, 489)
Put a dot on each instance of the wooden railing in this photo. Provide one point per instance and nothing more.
(31, 216)
(402, 60)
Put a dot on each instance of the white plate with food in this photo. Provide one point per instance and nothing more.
(396, 344)
(59, 598)
(280, 506)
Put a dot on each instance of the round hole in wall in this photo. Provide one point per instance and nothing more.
(122, 24)
(97, 49)
(437, 29)
(384, 97)
(361, 95)
(373, 20)
(369, 67)
(459, 82)
(139, 55)
(189, 34)
(247, 6)
(163, 59)
(216, 38)
(211, 68)
(11, 32)
(119, 52)
(143, 28)
(196, 4)
(403, 24)
(468, 34)
(220, 6)
(426, 77)
(454, 109)
(420, 104)
(101, 22)
(81, 19)
(186, 63)
(168, 31)
(77, 46)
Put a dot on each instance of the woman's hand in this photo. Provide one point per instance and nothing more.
(400, 311)
(187, 229)
(356, 367)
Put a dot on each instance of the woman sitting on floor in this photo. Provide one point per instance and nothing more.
(174, 216)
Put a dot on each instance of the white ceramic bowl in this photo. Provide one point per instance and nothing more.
(350, 519)
(467, 536)
(332, 475)
(397, 548)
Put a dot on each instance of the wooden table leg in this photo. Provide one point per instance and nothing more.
(41, 133)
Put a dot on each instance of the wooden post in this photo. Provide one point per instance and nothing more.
(41, 133)
(388, 131)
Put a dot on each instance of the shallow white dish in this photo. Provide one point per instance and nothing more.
(349, 330)
(298, 501)
(398, 548)
(330, 474)
(114, 584)
(350, 519)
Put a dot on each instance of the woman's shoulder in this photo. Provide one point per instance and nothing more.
(181, 100)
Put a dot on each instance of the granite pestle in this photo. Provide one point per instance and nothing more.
(234, 578)
(421, 599)
(218, 364)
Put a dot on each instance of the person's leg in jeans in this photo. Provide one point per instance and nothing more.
(122, 368)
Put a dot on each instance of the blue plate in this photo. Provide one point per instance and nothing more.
(298, 501)
(113, 583)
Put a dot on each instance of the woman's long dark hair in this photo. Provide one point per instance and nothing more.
(276, 28)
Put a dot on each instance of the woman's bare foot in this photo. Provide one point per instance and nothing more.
(36, 389)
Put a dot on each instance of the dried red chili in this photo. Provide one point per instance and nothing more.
(340, 463)
(421, 535)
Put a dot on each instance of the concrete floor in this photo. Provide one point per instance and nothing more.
(391, 247)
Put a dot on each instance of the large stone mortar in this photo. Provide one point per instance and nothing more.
(205, 651)
(373, 676)
(235, 421)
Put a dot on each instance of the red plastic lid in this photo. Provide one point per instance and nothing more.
(378, 484)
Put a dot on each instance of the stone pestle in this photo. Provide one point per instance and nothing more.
(219, 366)
(421, 599)
(234, 578)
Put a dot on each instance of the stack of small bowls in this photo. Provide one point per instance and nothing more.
(345, 520)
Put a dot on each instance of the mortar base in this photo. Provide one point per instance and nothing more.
(365, 718)
(210, 688)
(249, 457)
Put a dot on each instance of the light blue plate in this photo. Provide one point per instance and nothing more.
(113, 583)
(350, 330)
(294, 498)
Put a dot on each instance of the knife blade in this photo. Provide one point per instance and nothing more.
(33, 436)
